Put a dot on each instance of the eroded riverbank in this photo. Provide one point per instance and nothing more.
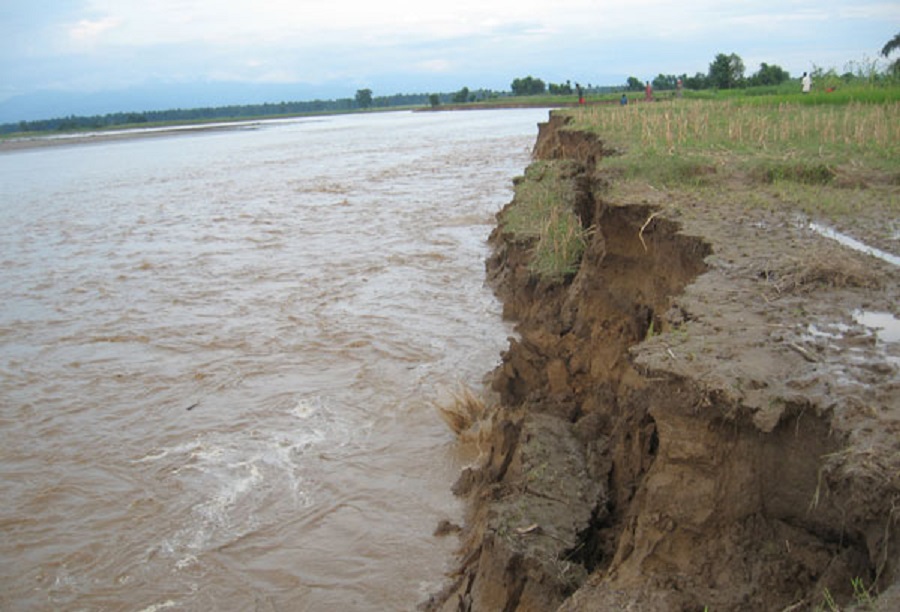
(697, 418)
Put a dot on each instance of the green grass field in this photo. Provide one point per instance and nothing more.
(825, 155)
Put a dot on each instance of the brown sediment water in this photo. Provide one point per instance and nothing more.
(219, 352)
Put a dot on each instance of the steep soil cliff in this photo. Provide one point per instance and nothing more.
(696, 418)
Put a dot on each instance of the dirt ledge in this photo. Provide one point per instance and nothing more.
(689, 421)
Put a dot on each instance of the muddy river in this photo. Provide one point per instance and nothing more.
(219, 353)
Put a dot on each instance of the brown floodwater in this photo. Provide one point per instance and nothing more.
(219, 354)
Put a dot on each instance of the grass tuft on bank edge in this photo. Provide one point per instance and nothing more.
(543, 215)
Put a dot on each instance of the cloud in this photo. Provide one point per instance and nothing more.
(309, 22)
(434, 65)
(888, 11)
(89, 31)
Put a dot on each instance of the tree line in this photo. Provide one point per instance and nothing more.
(187, 115)
(363, 100)
(725, 72)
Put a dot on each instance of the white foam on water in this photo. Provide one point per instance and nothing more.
(228, 486)
(305, 408)
(160, 606)
(154, 455)
(187, 561)
(233, 475)
(236, 482)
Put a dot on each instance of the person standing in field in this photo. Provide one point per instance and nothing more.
(624, 100)
(648, 92)
(806, 83)
(580, 93)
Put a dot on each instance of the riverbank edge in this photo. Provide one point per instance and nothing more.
(646, 408)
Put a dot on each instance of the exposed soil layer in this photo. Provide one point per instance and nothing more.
(696, 418)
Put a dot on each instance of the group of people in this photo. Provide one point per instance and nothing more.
(648, 92)
(805, 85)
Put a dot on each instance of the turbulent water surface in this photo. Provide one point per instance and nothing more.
(219, 353)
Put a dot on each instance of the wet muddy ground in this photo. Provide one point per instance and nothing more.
(706, 415)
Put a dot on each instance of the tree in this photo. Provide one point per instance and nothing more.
(560, 89)
(364, 98)
(434, 100)
(634, 84)
(726, 71)
(529, 86)
(462, 96)
(697, 82)
(889, 47)
(770, 75)
(664, 82)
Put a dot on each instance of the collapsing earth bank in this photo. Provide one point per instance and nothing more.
(692, 419)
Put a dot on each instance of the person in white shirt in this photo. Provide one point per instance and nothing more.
(806, 82)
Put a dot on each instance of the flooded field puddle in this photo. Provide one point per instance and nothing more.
(866, 339)
(853, 243)
(884, 325)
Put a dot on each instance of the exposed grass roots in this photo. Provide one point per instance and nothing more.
(465, 411)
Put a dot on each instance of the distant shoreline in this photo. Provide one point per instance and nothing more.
(55, 139)
(79, 138)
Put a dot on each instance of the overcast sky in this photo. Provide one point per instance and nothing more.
(393, 46)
